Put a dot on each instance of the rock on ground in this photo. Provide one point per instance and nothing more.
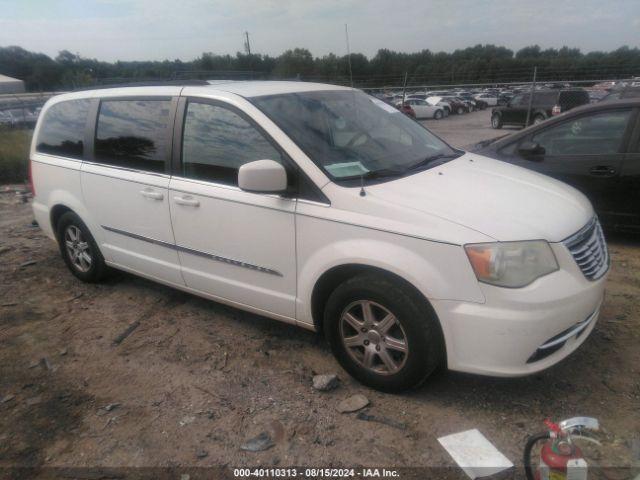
(353, 403)
(325, 382)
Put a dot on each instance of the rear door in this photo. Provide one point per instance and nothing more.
(585, 151)
(125, 183)
(234, 246)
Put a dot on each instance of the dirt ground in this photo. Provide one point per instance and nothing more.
(195, 380)
(464, 131)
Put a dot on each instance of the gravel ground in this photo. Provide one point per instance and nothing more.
(196, 380)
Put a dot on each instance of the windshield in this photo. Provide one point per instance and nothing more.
(351, 135)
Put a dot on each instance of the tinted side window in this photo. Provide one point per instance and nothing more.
(545, 98)
(520, 100)
(572, 98)
(217, 142)
(133, 134)
(596, 134)
(62, 130)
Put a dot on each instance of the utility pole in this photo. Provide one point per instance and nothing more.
(533, 90)
(404, 88)
(247, 44)
(346, 33)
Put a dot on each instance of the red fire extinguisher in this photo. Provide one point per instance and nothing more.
(560, 458)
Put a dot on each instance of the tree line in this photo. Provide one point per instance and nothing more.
(478, 64)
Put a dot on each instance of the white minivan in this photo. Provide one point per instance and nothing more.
(323, 207)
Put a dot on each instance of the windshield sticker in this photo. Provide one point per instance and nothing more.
(384, 106)
(346, 169)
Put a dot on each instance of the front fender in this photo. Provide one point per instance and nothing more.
(437, 270)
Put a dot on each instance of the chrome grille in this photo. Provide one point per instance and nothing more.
(589, 250)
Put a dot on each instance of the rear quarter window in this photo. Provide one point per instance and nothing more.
(62, 129)
(573, 98)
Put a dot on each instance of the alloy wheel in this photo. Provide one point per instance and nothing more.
(78, 249)
(374, 337)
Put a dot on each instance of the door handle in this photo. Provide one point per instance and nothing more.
(148, 193)
(187, 201)
(603, 171)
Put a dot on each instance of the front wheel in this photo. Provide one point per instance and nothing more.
(460, 111)
(438, 114)
(383, 333)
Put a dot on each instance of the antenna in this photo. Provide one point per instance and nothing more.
(346, 33)
(362, 192)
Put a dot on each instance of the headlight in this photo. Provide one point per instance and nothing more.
(511, 264)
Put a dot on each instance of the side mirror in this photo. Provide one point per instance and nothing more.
(528, 149)
(262, 176)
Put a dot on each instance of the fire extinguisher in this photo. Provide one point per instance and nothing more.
(560, 458)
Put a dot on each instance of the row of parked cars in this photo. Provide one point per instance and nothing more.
(19, 117)
(441, 103)
(511, 106)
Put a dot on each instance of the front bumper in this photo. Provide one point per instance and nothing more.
(522, 331)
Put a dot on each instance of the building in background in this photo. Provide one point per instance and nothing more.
(10, 85)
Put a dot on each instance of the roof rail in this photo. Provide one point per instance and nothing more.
(150, 83)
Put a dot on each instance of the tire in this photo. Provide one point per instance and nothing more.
(538, 119)
(79, 249)
(496, 121)
(460, 110)
(438, 115)
(414, 328)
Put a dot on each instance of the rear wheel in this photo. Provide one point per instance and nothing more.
(496, 121)
(79, 249)
(460, 110)
(383, 333)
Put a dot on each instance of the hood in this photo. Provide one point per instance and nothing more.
(497, 199)
(433, 100)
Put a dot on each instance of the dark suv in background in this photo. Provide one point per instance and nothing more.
(546, 103)
(595, 148)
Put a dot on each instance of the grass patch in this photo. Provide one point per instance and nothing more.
(14, 154)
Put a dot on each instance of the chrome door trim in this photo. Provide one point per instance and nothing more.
(180, 248)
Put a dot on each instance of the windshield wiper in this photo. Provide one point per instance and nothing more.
(432, 159)
(383, 172)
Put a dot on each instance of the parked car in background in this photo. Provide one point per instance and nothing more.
(325, 208)
(622, 93)
(595, 148)
(438, 101)
(6, 119)
(596, 95)
(406, 108)
(478, 103)
(418, 95)
(491, 99)
(504, 97)
(545, 104)
(458, 106)
(423, 109)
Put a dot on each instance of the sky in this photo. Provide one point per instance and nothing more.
(182, 29)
